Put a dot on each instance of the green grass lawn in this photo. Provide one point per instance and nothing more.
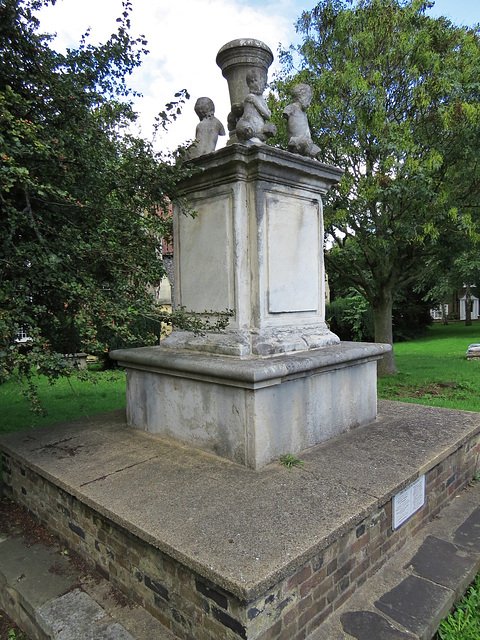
(62, 401)
(434, 370)
(464, 622)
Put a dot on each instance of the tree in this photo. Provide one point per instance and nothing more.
(80, 198)
(396, 103)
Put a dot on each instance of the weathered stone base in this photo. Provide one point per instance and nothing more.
(214, 550)
(256, 342)
(251, 410)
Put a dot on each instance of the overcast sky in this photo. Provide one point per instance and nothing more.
(184, 37)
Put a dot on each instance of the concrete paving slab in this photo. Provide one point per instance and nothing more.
(80, 451)
(77, 616)
(43, 584)
(366, 625)
(27, 571)
(425, 435)
(444, 563)
(136, 620)
(468, 533)
(418, 605)
(259, 526)
(359, 466)
(65, 617)
(114, 632)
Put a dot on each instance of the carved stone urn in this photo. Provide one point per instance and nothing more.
(236, 59)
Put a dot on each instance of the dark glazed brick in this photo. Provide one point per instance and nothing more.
(33, 515)
(253, 613)
(344, 582)
(230, 622)
(157, 588)
(76, 529)
(214, 595)
(451, 479)
(177, 616)
(63, 509)
(281, 605)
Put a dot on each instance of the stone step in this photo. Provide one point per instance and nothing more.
(50, 596)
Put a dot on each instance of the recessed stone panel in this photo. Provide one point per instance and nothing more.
(206, 264)
(294, 254)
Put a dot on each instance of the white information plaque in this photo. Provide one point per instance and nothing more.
(408, 501)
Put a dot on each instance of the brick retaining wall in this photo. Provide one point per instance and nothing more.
(192, 606)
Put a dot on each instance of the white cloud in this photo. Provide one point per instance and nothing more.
(184, 37)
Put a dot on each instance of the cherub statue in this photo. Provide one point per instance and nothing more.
(298, 130)
(253, 123)
(207, 131)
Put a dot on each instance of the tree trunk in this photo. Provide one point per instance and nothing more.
(382, 311)
(444, 314)
(468, 306)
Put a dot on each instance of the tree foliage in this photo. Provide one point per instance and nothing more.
(396, 103)
(83, 201)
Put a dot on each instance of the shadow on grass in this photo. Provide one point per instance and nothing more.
(63, 400)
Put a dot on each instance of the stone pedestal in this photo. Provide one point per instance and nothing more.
(251, 410)
(255, 246)
(277, 380)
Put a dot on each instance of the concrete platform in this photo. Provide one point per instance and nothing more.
(53, 598)
(251, 410)
(261, 549)
(43, 600)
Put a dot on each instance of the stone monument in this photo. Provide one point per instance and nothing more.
(277, 380)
